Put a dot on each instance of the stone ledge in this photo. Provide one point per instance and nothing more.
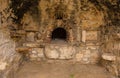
(22, 49)
(31, 44)
(109, 57)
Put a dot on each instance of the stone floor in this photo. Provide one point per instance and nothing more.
(61, 70)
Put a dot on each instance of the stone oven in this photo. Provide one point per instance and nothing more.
(61, 31)
(75, 31)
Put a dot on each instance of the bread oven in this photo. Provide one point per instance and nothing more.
(59, 33)
(63, 32)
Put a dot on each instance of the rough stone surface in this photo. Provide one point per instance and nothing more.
(111, 51)
(36, 54)
(109, 57)
(59, 51)
(3, 66)
(31, 44)
(30, 36)
(9, 58)
(91, 26)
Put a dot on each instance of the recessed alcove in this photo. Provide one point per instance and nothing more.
(59, 33)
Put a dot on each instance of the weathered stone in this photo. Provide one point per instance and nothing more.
(39, 52)
(8, 54)
(53, 54)
(22, 49)
(109, 57)
(85, 60)
(31, 44)
(3, 65)
(61, 52)
(67, 52)
(33, 56)
(34, 52)
(79, 56)
(91, 35)
(84, 36)
(30, 36)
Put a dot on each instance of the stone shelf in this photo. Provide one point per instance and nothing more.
(108, 57)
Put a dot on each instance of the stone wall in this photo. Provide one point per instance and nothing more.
(111, 50)
(9, 58)
(31, 22)
(79, 21)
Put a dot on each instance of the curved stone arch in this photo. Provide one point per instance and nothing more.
(68, 31)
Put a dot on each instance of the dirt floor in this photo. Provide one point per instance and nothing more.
(61, 70)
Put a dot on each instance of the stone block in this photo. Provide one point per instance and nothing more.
(91, 35)
(67, 52)
(52, 54)
(30, 36)
(33, 56)
(79, 56)
(109, 57)
(22, 49)
(31, 44)
(83, 36)
(39, 51)
(34, 52)
(61, 52)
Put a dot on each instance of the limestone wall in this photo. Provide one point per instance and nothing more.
(80, 19)
(9, 58)
(30, 24)
(111, 50)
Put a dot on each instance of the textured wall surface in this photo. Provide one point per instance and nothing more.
(9, 58)
(27, 26)
(80, 19)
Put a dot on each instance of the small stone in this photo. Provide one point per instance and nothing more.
(33, 56)
(79, 56)
(86, 60)
(34, 52)
(39, 52)
(51, 53)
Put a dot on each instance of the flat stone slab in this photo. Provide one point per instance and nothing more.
(109, 57)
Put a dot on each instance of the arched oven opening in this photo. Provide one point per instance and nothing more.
(59, 34)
